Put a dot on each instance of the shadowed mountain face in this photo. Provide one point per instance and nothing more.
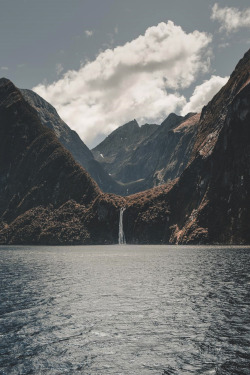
(37, 173)
(132, 158)
(115, 151)
(210, 202)
(47, 198)
(150, 155)
(71, 141)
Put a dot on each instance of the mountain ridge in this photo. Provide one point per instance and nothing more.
(153, 155)
(209, 203)
(37, 173)
(71, 141)
(48, 198)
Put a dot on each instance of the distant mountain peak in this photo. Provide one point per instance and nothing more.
(129, 125)
(171, 121)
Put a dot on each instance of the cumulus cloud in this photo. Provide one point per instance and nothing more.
(231, 19)
(141, 79)
(203, 94)
(89, 33)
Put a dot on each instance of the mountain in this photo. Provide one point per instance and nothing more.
(150, 155)
(46, 197)
(114, 152)
(132, 158)
(210, 201)
(71, 141)
(38, 176)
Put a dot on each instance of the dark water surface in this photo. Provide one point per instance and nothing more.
(144, 310)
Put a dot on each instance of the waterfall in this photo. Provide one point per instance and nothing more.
(121, 237)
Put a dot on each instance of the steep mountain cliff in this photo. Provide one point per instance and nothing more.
(71, 141)
(210, 202)
(150, 155)
(114, 152)
(37, 174)
(48, 198)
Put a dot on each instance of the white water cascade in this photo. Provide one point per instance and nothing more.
(121, 237)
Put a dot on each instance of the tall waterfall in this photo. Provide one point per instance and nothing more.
(121, 237)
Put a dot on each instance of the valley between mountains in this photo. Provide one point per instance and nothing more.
(185, 181)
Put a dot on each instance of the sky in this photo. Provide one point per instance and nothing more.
(102, 63)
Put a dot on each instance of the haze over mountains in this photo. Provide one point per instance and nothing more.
(201, 163)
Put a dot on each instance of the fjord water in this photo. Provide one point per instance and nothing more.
(124, 310)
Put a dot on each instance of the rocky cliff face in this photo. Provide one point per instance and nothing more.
(38, 175)
(150, 155)
(210, 202)
(71, 141)
(114, 152)
(47, 198)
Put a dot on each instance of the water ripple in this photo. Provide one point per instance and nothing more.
(143, 310)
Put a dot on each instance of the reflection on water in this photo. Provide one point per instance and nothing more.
(124, 310)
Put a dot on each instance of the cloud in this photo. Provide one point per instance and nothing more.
(141, 79)
(4, 68)
(89, 33)
(59, 69)
(224, 45)
(203, 94)
(231, 19)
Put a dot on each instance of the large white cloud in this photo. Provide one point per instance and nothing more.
(231, 19)
(203, 94)
(130, 81)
